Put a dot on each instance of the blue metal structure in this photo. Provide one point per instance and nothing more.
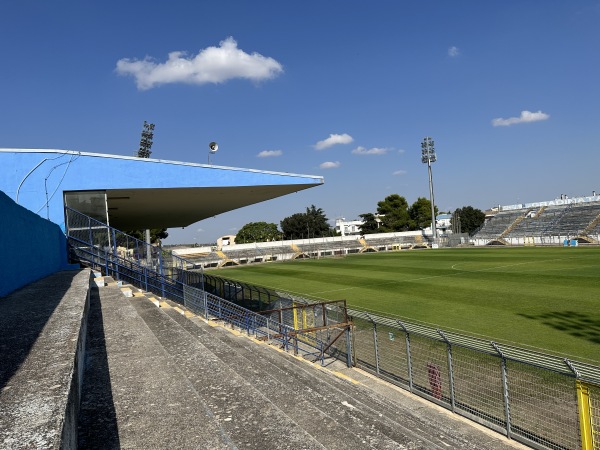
(135, 193)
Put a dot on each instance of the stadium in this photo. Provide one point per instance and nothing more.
(542, 399)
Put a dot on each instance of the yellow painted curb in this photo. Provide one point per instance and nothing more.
(345, 377)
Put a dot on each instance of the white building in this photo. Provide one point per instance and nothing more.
(352, 227)
(347, 228)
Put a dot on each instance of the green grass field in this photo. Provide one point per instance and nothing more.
(546, 298)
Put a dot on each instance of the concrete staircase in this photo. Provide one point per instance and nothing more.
(160, 377)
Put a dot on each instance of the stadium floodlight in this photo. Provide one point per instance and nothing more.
(428, 156)
(146, 140)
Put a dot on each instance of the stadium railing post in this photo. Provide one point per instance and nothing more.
(504, 391)
(375, 343)
(408, 356)
(584, 408)
(450, 370)
(348, 347)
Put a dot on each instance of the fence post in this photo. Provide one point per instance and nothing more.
(205, 300)
(375, 343)
(268, 330)
(408, 356)
(505, 391)
(450, 369)
(161, 270)
(115, 253)
(585, 420)
(348, 346)
(584, 407)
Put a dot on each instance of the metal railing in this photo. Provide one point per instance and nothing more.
(90, 243)
(541, 400)
(309, 341)
(100, 235)
(529, 396)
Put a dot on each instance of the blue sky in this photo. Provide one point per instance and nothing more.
(509, 91)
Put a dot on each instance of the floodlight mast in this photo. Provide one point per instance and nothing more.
(146, 140)
(428, 156)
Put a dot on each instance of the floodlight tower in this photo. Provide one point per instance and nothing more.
(144, 152)
(146, 140)
(427, 157)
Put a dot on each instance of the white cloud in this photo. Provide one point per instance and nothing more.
(371, 151)
(399, 172)
(199, 230)
(332, 140)
(453, 52)
(210, 65)
(525, 117)
(330, 165)
(269, 153)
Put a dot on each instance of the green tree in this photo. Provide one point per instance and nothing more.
(156, 234)
(467, 219)
(257, 232)
(420, 214)
(369, 225)
(312, 223)
(394, 208)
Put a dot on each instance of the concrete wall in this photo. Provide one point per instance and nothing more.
(32, 247)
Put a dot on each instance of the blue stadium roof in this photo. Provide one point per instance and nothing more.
(140, 193)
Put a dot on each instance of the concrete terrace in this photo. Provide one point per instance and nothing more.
(160, 377)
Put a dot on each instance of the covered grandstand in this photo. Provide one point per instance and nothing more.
(335, 246)
(573, 221)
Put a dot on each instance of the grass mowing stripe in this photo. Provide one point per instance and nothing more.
(541, 297)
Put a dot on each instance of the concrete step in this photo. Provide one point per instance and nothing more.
(332, 419)
(251, 420)
(134, 396)
(369, 404)
(160, 377)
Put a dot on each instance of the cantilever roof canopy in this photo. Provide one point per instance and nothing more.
(140, 193)
(130, 209)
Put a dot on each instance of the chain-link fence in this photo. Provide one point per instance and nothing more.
(528, 396)
(283, 326)
(544, 401)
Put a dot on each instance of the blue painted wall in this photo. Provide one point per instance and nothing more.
(32, 247)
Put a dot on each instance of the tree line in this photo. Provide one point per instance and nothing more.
(394, 214)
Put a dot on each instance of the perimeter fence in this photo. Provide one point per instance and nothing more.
(543, 401)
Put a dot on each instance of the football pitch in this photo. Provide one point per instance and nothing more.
(547, 299)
